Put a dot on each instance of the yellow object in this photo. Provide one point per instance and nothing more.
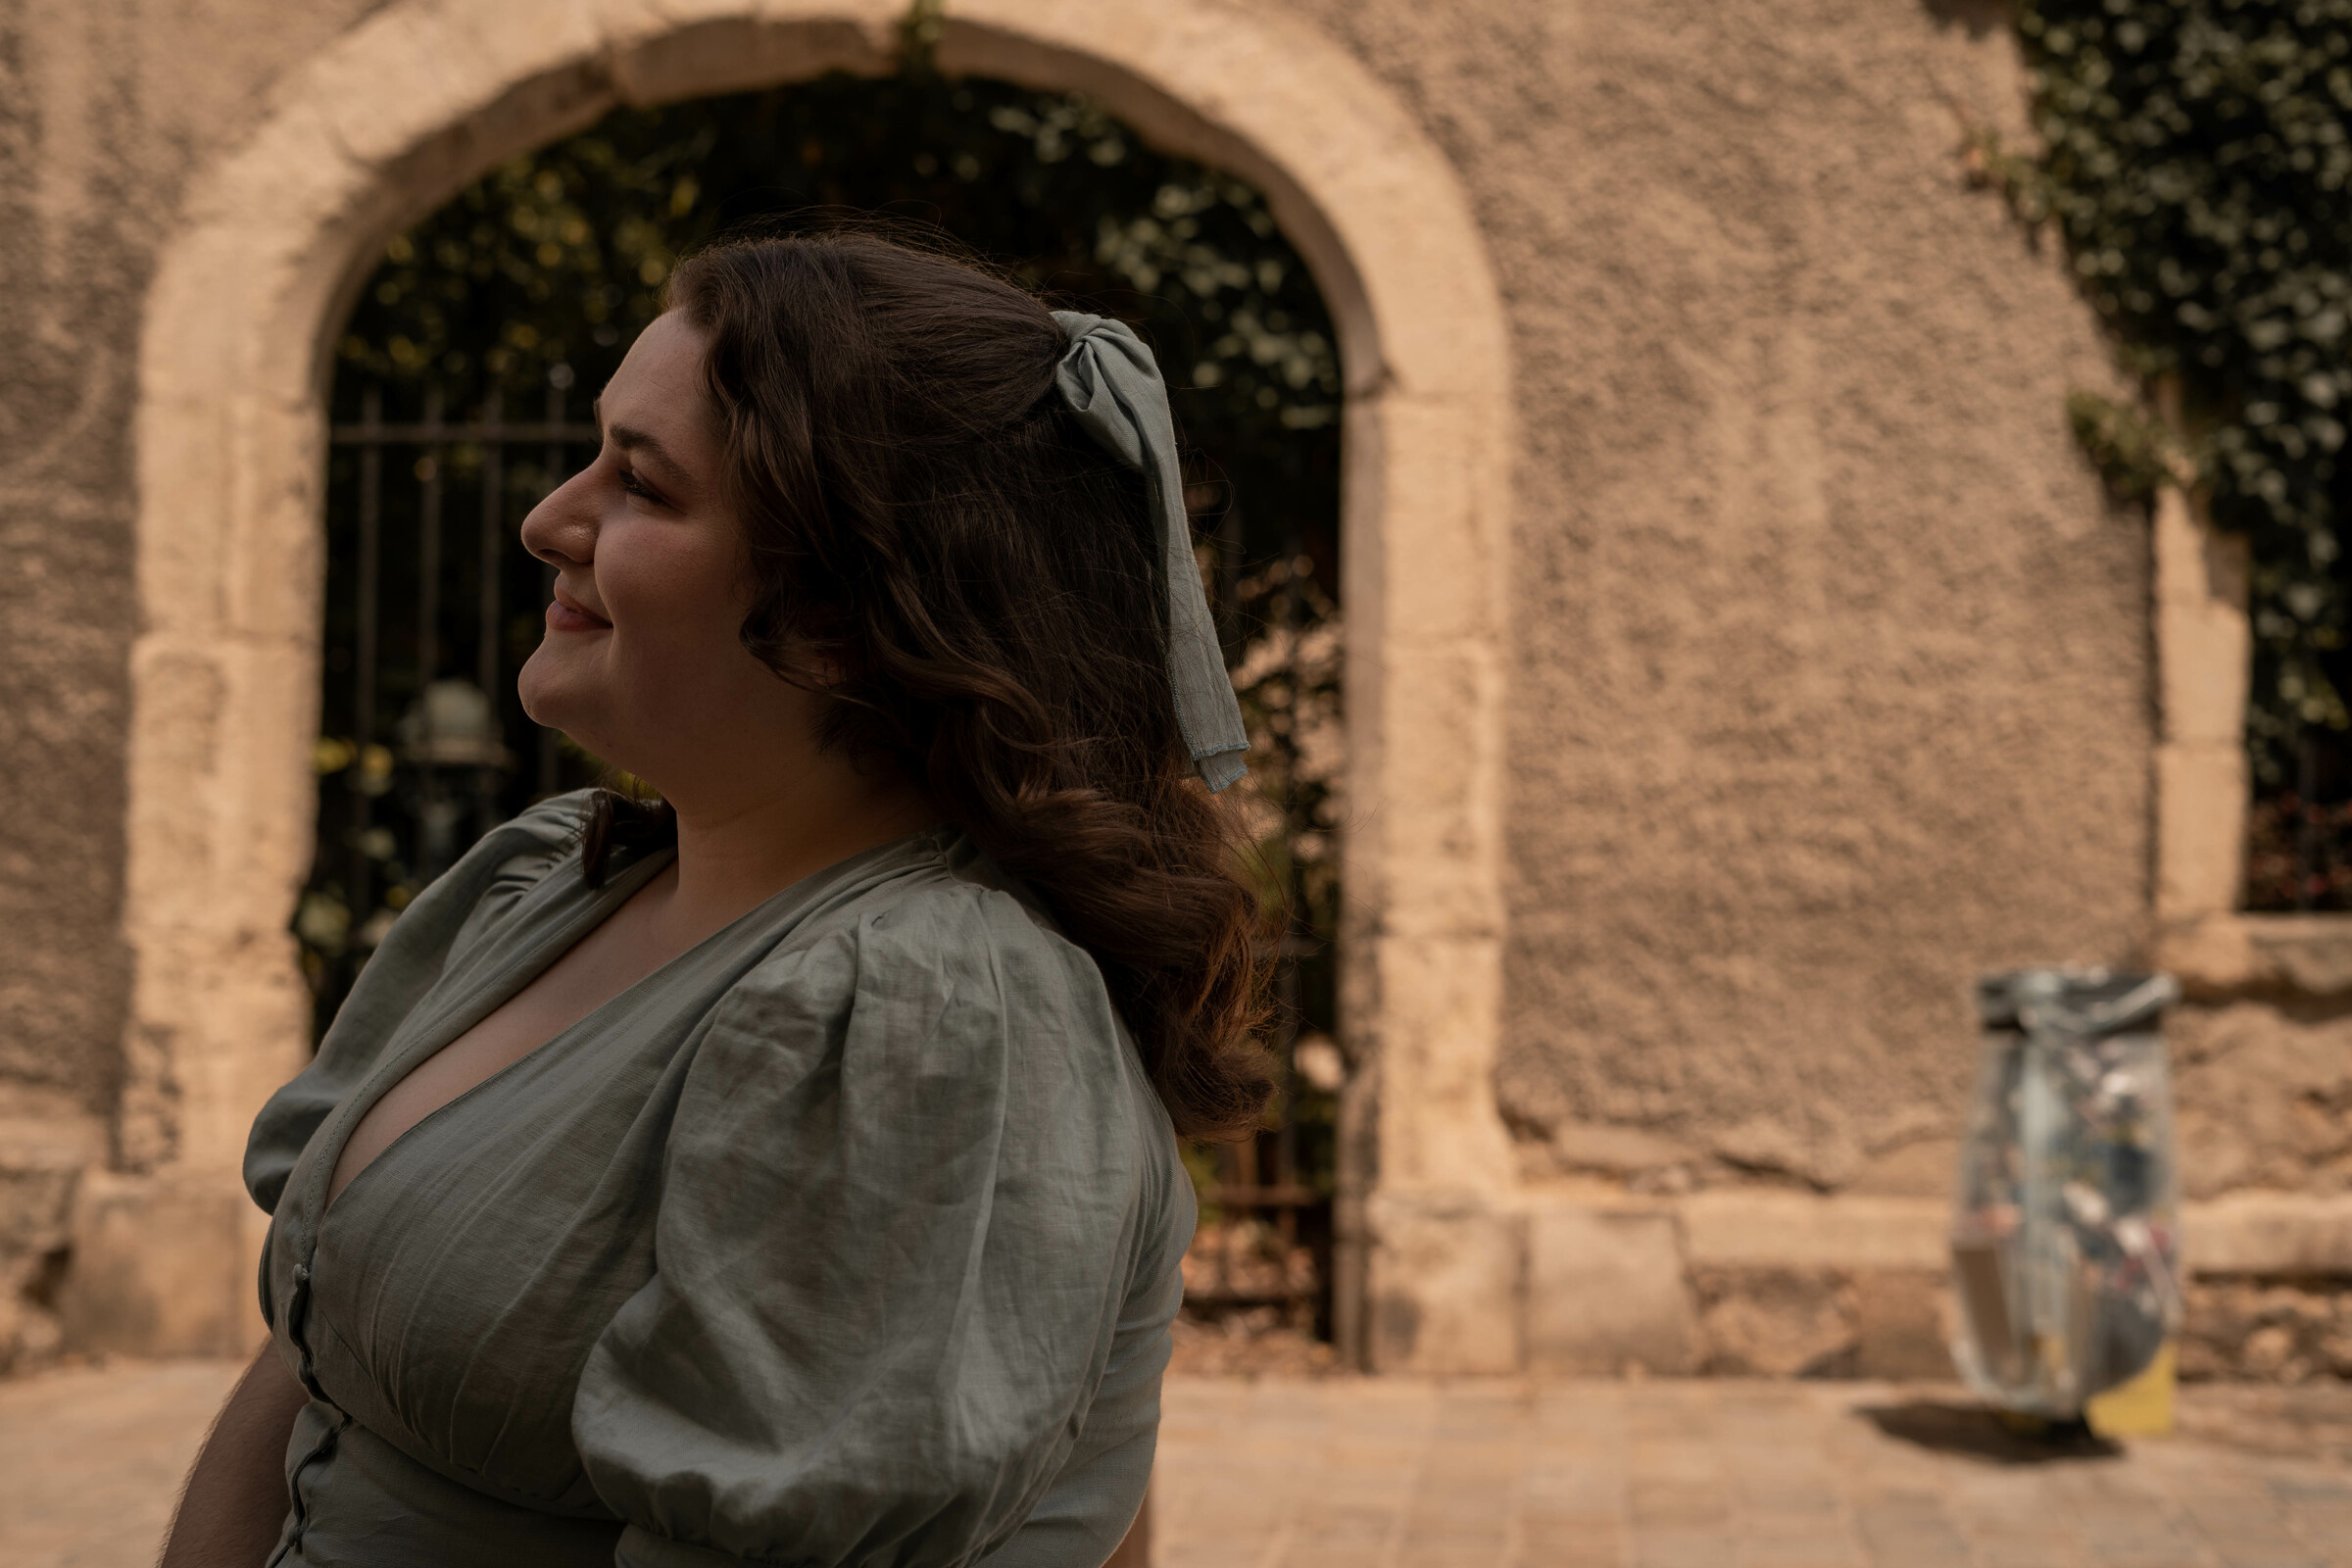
(2140, 1409)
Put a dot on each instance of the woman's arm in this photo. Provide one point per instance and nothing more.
(235, 1502)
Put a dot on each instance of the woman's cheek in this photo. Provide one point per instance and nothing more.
(655, 577)
(675, 624)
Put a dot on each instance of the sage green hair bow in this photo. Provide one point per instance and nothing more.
(1112, 384)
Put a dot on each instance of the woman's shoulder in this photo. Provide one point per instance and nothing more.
(512, 859)
(544, 833)
(942, 919)
(943, 966)
(938, 1010)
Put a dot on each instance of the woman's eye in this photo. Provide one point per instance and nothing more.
(636, 486)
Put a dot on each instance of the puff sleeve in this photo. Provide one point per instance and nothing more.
(909, 1187)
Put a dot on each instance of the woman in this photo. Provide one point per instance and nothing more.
(786, 1173)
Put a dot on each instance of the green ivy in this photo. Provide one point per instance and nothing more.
(2196, 158)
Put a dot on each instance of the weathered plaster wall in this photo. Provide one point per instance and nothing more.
(104, 108)
(1830, 668)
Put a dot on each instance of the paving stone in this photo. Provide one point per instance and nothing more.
(2022, 1555)
(1677, 1548)
(1581, 1555)
(1187, 1554)
(1332, 1553)
(1566, 1533)
(1806, 1552)
(2324, 1522)
(1678, 1502)
(1421, 1554)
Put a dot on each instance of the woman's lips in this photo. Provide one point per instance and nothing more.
(566, 614)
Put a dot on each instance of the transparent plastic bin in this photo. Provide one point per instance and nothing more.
(2066, 1236)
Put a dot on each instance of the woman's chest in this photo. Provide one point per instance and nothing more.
(450, 1296)
(609, 959)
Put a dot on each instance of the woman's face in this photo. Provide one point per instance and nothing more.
(642, 663)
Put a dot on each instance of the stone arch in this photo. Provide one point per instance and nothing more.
(402, 110)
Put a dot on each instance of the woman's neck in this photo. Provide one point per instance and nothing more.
(738, 851)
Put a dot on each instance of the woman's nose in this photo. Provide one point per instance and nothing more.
(561, 528)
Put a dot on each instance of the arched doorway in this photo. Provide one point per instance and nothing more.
(461, 393)
(415, 103)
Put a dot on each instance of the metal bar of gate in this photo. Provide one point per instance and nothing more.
(428, 616)
(550, 759)
(371, 533)
(1286, 1140)
(2307, 823)
(487, 652)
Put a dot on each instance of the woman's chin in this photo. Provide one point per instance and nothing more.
(552, 696)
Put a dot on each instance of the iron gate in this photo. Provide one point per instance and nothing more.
(432, 605)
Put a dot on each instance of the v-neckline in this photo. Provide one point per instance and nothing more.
(475, 1004)
(486, 996)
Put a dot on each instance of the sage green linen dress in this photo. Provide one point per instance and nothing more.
(850, 1237)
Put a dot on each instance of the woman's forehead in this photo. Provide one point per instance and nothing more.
(658, 387)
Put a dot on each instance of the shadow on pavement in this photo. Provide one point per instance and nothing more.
(1973, 1432)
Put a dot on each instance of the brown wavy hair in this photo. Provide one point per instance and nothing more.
(943, 551)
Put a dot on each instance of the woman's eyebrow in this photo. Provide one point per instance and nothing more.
(635, 441)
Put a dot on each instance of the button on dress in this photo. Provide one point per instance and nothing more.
(848, 1236)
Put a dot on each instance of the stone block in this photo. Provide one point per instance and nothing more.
(1446, 1272)
(2307, 952)
(1569, 1147)
(1902, 1326)
(2203, 635)
(163, 1265)
(2263, 1101)
(2201, 823)
(1430, 807)
(1605, 1292)
(2272, 1331)
(2211, 954)
(739, 53)
(1825, 1158)
(1439, 1130)
(2218, 956)
(1920, 1168)
(2280, 1235)
(1777, 1322)
(1732, 1228)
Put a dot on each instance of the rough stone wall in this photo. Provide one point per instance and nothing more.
(2264, 1089)
(2268, 1330)
(104, 108)
(1832, 676)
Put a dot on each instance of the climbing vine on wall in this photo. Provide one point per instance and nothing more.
(2196, 161)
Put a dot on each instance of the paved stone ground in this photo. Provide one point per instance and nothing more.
(1731, 1475)
(91, 1459)
(1381, 1474)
